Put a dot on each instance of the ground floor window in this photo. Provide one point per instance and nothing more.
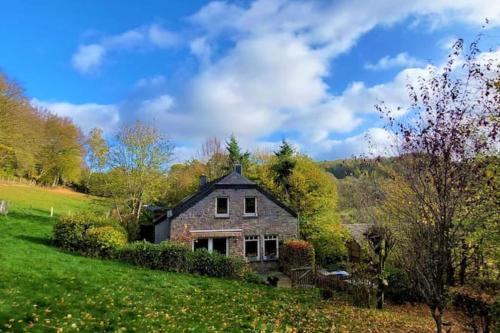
(252, 248)
(270, 247)
(219, 245)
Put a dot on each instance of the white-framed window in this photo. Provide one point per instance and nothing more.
(250, 206)
(252, 248)
(222, 207)
(270, 247)
(220, 245)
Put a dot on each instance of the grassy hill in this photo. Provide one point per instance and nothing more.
(43, 289)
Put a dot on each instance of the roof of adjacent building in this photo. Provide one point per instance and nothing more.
(358, 230)
(232, 180)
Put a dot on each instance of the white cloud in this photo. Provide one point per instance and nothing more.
(265, 65)
(273, 75)
(156, 106)
(161, 37)
(87, 116)
(89, 57)
(373, 142)
(400, 60)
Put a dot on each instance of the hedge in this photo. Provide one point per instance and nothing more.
(173, 257)
(167, 256)
(296, 253)
(99, 236)
(89, 234)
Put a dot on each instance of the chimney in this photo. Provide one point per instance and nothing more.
(237, 168)
(203, 181)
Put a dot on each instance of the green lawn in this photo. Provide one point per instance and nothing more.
(44, 289)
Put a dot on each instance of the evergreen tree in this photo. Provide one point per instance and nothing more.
(236, 156)
(284, 165)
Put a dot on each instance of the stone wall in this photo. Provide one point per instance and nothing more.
(271, 219)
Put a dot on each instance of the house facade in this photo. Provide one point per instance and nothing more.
(233, 216)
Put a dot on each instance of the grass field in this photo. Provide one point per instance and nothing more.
(43, 289)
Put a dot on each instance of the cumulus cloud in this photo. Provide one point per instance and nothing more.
(89, 57)
(402, 59)
(264, 67)
(273, 75)
(87, 116)
(371, 143)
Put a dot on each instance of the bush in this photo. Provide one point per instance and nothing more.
(250, 276)
(296, 253)
(214, 264)
(103, 241)
(88, 234)
(479, 302)
(176, 257)
(400, 288)
(167, 256)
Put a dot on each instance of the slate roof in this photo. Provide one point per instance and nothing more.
(358, 230)
(232, 180)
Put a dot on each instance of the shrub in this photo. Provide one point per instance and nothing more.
(103, 241)
(250, 276)
(296, 253)
(167, 256)
(479, 302)
(400, 288)
(176, 257)
(214, 264)
(88, 234)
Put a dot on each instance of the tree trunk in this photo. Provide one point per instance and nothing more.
(380, 297)
(437, 315)
(450, 272)
(463, 264)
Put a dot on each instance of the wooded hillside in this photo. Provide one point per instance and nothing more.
(34, 143)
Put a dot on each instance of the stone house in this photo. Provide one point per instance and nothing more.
(233, 216)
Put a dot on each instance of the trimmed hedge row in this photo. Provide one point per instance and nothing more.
(165, 256)
(89, 234)
(173, 257)
(98, 236)
(296, 253)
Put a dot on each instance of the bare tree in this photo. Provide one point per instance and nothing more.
(215, 157)
(443, 143)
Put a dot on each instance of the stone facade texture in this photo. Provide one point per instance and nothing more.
(271, 219)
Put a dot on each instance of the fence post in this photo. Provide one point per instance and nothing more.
(51, 211)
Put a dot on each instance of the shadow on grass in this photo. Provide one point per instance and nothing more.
(47, 241)
(31, 215)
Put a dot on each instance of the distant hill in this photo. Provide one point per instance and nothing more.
(355, 167)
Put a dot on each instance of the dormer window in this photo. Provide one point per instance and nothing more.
(250, 206)
(222, 207)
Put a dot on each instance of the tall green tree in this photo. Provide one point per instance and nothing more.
(34, 143)
(61, 156)
(284, 165)
(236, 156)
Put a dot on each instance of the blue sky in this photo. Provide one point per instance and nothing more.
(308, 71)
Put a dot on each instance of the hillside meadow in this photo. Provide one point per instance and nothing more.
(43, 289)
